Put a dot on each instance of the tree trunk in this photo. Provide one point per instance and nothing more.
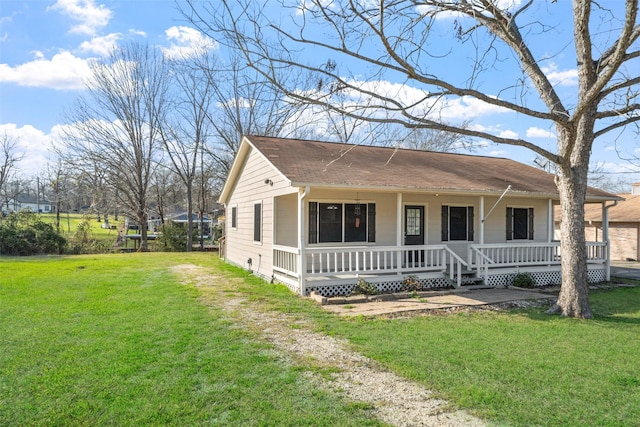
(575, 146)
(189, 219)
(142, 219)
(573, 300)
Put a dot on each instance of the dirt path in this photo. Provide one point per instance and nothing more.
(394, 400)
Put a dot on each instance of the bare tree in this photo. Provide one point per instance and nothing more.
(9, 157)
(402, 41)
(184, 135)
(116, 125)
(244, 103)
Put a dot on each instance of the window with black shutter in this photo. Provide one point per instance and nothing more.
(519, 223)
(457, 223)
(257, 222)
(341, 222)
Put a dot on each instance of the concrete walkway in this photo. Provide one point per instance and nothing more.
(426, 302)
(432, 301)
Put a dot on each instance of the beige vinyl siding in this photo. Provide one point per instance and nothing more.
(249, 190)
(286, 220)
(495, 224)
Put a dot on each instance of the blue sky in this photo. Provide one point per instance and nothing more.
(45, 46)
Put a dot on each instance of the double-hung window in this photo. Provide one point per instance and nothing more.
(519, 223)
(457, 223)
(341, 222)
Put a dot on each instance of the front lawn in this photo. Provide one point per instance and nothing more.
(519, 368)
(115, 339)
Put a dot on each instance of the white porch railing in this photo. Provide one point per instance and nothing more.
(285, 260)
(488, 256)
(333, 261)
(389, 260)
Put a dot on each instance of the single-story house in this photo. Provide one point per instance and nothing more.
(23, 202)
(319, 216)
(624, 226)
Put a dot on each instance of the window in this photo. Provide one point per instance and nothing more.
(234, 217)
(341, 222)
(457, 223)
(519, 223)
(257, 222)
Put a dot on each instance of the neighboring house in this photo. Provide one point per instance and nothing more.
(23, 202)
(624, 226)
(317, 216)
(195, 222)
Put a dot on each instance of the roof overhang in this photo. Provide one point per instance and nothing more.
(448, 191)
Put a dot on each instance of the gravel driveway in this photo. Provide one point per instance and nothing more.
(395, 400)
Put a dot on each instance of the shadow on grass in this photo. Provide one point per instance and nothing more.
(615, 305)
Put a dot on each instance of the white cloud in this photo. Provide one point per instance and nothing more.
(534, 132)
(497, 153)
(440, 14)
(508, 134)
(91, 17)
(62, 72)
(560, 77)
(33, 144)
(102, 46)
(187, 42)
(449, 110)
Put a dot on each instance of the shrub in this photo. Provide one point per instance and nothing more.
(24, 233)
(411, 284)
(365, 288)
(174, 237)
(524, 280)
(84, 242)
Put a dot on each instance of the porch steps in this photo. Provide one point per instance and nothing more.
(469, 279)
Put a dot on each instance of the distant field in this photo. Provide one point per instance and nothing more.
(69, 224)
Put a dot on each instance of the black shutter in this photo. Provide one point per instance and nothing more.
(445, 223)
(313, 222)
(509, 223)
(257, 222)
(470, 223)
(371, 222)
(530, 224)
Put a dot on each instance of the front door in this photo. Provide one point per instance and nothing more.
(414, 235)
(414, 225)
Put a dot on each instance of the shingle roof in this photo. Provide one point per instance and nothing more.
(627, 210)
(343, 165)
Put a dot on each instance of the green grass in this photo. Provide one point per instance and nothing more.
(69, 224)
(116, 340)
(520, 368)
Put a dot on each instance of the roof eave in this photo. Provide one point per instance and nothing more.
(451, 191)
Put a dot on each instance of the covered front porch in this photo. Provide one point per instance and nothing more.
(415, 239)
(331, 271)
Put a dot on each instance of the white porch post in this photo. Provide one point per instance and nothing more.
(399, 234)
(550, 220)
(481, 221)
(605, 239)
(302, 259)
